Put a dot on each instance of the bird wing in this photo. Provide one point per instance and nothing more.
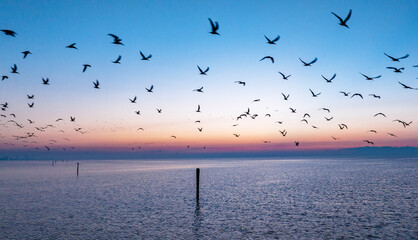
(313, 61)
(407, 55)
(348, 16)
(341, 20)
(277, 38)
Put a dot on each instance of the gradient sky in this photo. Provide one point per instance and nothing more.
(176, 34)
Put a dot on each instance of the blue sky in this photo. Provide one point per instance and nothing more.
(176, 34)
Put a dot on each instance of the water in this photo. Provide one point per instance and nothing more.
(239, 199)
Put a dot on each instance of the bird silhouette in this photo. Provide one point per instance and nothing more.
(381, 114)
(72, 45)
(256, 100)
(201, 71)
(342, 126)
(314, 94)
(329, 80)
(284, 76)
(240, 82)
(345, 93)
(117, 60)
(85, 66)
(396, 59)
(397, 70)
(406, 87)
(198, 109)
(4, 77)
(133, 100)
(370, 78)
(150, 89)
(199, 90)
(72, 119)
(325, 109)
(343, 22)
(145, 58)
(25, 54)
(96, 84)
(373, 131)
(116, 39)
(374, 95)
(391, 134)
(236, 135)
(306, 115)
(304, 120)
(284, 132)
(329, 119)
(268, 57)
(45, 81)
(31, 105)
(138, 112)
(30, 96)
(159, 110)
(9, 32)
(357, 94)
(200, 129)
(214, 27)
(14, 69)
(369, 142)
(293, 110)
(310, 63)
(286, 97)
(297, 144)
(272, 41)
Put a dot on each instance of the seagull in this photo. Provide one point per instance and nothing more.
(313, 94)
(268, 57)
(343, 22)
(143, 56)
(9, 32)
(284, 132)
(116, 39)
(329, 80)
(72, 119)
(272, 41)
(374, 95)
(174, 137)
(140, 129)
(407, 87)
(397, 70)
(96, 84)
(201, 71)
(369, 142)
(308, 64)
(304, 120)
(85, 66)
(293, 110)
(30, 97)
(357, 94)
(284, 76)
(240, 82)
(214, 26)
(159, 110)
(325, 109)
(25, 54)
(117, 60)
(4, 77)
(199, 90)
(377, 114)
(329, 119)
(396, 59)
(370, 78)
(297, 144)
(133, 100)
(198, 109)
(14, 69)
(72, 45)
(150, 89)
(45, 81)
(31, 105)
(342, 126)
(306, 115)
(373, 131)
(200, 129)
(345, 93)
(286, 97)
(59, 119)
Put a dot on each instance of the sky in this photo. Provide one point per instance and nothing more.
(176, 33)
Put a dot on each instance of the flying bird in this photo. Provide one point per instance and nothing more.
(272, 41)
(85, 66)
(45, 81)
(240, 82)
(117, 60)
(329, 80)
(345, 93)
(14, 69)
(382, 114)
(214, 27)
(200, 129)
(96, 84)
(306, 115)
(25, 54)
(143, 56)
(72, 45)
(31, 105)
(150, 89)
(268, 57)
(201, 71)
(308, 64)
(357, 94)
(30, 96)
(406, 87)
(138, 112)
(286, 97)
(374, 95)
(9, 32)
(396, 59)
(297, 144)
(397, 70)
(373, 131)
(199, 90)
(72, 119)
(393, 135)
(284, 76)
(343, 22)
(4, 77)
(236, 135)
(325, 109)
(369, 142)
(370, 78)
(133, 100)
(198, 109)
(314, 94)
(293, 110)
(116, 39)
(159, 110)
(329, 119)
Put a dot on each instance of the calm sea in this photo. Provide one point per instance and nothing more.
(239, 199)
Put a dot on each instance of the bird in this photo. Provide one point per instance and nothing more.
(314, 94)
(369, 142)
(200, 129)
(240, 82)
(59, 119)
(30, 96)
(396, 59)
(342, 126)
(393, 135)
(236, 135)
(116, 39)
(272, 41)
(4, 77)
(140, 129)
(286, 97)
(382, 114)
(256, 100)
(96, 84)
(198, 108)
(334, 138)
(85, 66)
(306, 115)
(345, 93)
(406, 87)
(329, 80)
(45, 81)
(304, 120)
(370, 78)
(343, 22)
(143, 56)
(25, 54)
(199, 90)
(31, 105)
(284, 76)
(373, 131)
(315, 127)
(297, 144)
(329, 119)
(117, 60)
(72, 119)
(174, 137)
(47, 148)
(159, 110)
(9, 32)
(325, 109)
(201, 71)
(357, 94)
(374, 95)
(72, 45)
(150, 89)
(284, 132)
(214, 27)
(133, 100)
(138, 112)
(268, 57)
(14, 69)
(30, 121)
(293, 110)
(397, 70)
(308, 64)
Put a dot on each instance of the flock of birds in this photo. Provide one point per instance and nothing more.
(11, 118)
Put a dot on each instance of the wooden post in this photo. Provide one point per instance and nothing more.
(197, 184)
(78, 166)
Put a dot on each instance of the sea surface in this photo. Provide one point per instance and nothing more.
(239, 199)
